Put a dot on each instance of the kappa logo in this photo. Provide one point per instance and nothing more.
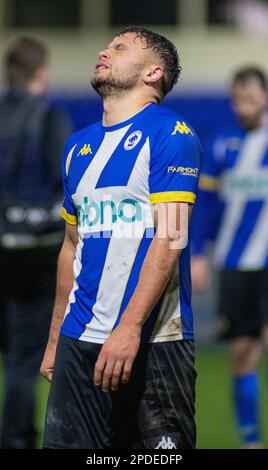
(182, 128)
(85, 150)
(132, 140)
(166, 443)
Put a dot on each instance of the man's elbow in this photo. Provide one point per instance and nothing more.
(178, 240)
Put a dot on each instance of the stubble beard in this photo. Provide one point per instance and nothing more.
(113, 86)
(254, 122)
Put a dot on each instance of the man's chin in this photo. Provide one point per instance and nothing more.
(250, 124)
(104, 86)
(97, 82)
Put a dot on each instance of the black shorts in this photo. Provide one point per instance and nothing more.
(243, 303)
(154, 410)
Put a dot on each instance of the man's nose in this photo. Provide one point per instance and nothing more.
(103, 54)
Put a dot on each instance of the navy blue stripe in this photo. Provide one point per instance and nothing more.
(79, 163)
(265, 159)
(118, 169)
(243, 233)
(134, 275)
(148, 326)
(93, 259)
(185, 294)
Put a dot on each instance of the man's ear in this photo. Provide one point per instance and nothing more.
(153, 74)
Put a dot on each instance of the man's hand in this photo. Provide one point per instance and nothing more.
(116, 357)
(201, 276)
(46, 369)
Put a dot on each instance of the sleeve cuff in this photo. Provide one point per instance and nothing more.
(208, 183)
(69, 218)
(173, 196)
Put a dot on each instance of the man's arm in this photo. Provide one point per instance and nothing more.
(65, 279)
(120, 349)
(204, 225)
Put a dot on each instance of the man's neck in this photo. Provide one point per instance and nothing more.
(118, 109)
(258, 124)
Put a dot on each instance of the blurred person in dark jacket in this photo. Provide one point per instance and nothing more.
(32, 136)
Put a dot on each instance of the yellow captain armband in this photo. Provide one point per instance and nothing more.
(173, 196)
(69, 218)
(208, 183)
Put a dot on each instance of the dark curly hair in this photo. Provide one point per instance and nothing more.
(166, 51)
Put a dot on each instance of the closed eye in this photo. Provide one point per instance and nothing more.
(119, 46)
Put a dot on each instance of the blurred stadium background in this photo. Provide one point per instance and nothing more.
(213, 37)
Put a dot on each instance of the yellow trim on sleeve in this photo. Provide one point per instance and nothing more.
(69, 159)
(69, 218)
(173, 196)
(209, 183)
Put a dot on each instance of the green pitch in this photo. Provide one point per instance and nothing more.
(215, 424)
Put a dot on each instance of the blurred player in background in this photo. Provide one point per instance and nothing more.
(124, 371)
(233, 202)
(32, 135)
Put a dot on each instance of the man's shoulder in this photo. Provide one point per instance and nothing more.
(161, 112)
(170, 122)
(222, 140)
(170, 130)
(79, 135)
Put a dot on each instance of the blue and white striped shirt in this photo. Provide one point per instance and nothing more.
(237, 170)
(111, 176)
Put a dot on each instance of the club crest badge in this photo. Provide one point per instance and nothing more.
(132, 140)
